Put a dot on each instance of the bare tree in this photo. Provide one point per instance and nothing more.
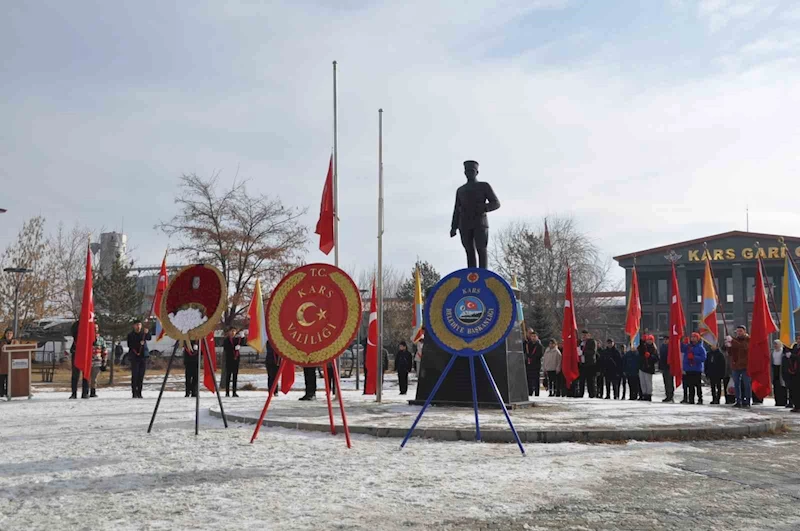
(245, 236)
(30, 251)
(68, 262)
(519, 250)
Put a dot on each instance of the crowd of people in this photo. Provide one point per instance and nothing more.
(626, 370)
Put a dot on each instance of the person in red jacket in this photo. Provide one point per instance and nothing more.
(739, 354)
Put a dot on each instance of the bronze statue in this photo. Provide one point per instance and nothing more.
(473, 201)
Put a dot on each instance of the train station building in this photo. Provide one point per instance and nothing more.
(733, 261)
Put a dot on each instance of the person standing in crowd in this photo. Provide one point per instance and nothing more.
(778, 385)
(666, 374)
(588, 364)
(190, 352)
(402, 364)
(231, 347)
(715, 371)
(730, 396)
(76, 372)
(138, 352)
(631, 368)
(788, 377)
(648, 358)
(794, 376)
(273, 363)
(534, 352)
(694, 356)
(611, 367)
(739, 353)
(332, 379)
(118, 352)
(310, 377)
(99, 355)
(551, 362)
(8, 339)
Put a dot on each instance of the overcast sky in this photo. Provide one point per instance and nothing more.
(648, 125)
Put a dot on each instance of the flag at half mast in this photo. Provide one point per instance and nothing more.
(708, 318)
(418, 330)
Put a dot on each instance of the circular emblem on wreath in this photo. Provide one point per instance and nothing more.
(470, 312)
(313, 314)
(193, 302)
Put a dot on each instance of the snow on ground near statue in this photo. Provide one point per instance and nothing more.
(89, 464)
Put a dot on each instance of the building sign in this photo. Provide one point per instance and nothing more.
(746, 253)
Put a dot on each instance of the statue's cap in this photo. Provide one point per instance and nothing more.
(470, 164)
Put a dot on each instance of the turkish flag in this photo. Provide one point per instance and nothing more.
(758, 361)
(86, 324)
(326, 213)
(676, 331)
(371, 361)
(569, 335)
(161, 287)
(209, 369)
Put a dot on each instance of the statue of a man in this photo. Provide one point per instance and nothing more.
(473, 201)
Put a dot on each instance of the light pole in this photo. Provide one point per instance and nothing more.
(19, 271)
(356, 349)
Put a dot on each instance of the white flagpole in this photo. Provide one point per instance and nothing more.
(380, 257)
(335, 173)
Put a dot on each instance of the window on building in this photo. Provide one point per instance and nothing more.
(662, 322)
(750, 292)
(644, 291)
(663, 292)
(696, 318)
(729, 289)
(721, 326)
(749, 321)
(647, 321)
(698, 290)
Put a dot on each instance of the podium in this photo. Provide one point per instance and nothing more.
(16, 361)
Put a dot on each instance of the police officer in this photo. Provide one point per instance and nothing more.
(138, 353)
(231, 347)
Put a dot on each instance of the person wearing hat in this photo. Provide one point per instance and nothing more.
(138, 352)
(534, 352)
(694, 356)
(190, 352)
(402, 364)
(473, 201)
(715, 371)
(231, 346)
(648, 359)
(739, 354)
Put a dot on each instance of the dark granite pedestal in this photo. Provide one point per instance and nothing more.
(506, 363)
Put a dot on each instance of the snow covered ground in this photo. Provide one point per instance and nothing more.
(89, 464)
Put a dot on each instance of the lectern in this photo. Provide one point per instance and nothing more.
(16, 360)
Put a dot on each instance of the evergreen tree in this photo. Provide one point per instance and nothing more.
(428, 278)
(538, 318)
(117, 303)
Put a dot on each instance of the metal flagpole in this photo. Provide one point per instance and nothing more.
(379, 376)
(335, 174)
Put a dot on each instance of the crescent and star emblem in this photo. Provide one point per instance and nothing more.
(301, 314)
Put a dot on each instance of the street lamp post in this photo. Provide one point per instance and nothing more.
(357, 349)
(19, 272)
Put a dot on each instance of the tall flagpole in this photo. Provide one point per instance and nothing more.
(379, 387)
(335, 174)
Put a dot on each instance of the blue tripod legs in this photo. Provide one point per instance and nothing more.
(430, 398)
(474, 397)
(502, 404)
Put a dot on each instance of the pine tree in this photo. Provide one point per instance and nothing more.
(428, 278)
(117, 303)
(538, 318)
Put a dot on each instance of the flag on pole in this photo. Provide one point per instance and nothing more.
(790, 302)
(417, 317)
(569, 335)
(209, 370)
(758, 360)
(257, 329)
(326, 213)
(371, 361)
(86, 324)
(161, 287)
(547, 243)
(633, 319)
(676, 331)
(708, 322)
(287, 375)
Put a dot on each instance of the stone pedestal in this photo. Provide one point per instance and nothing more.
(506, 363)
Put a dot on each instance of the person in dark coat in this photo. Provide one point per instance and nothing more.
(715, 371)
(76, 372)
(630, 364)
(666, 375)
(231, 347)
(788, 377)
(273, 363)
(190, 352)
(310, 377)
(138, 352)
(794, 373)
(648, 359)
(611, 366)
(534, 351)
(588, 365)
(8, 339)
(402, 364)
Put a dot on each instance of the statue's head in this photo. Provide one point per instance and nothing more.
(471, 170)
